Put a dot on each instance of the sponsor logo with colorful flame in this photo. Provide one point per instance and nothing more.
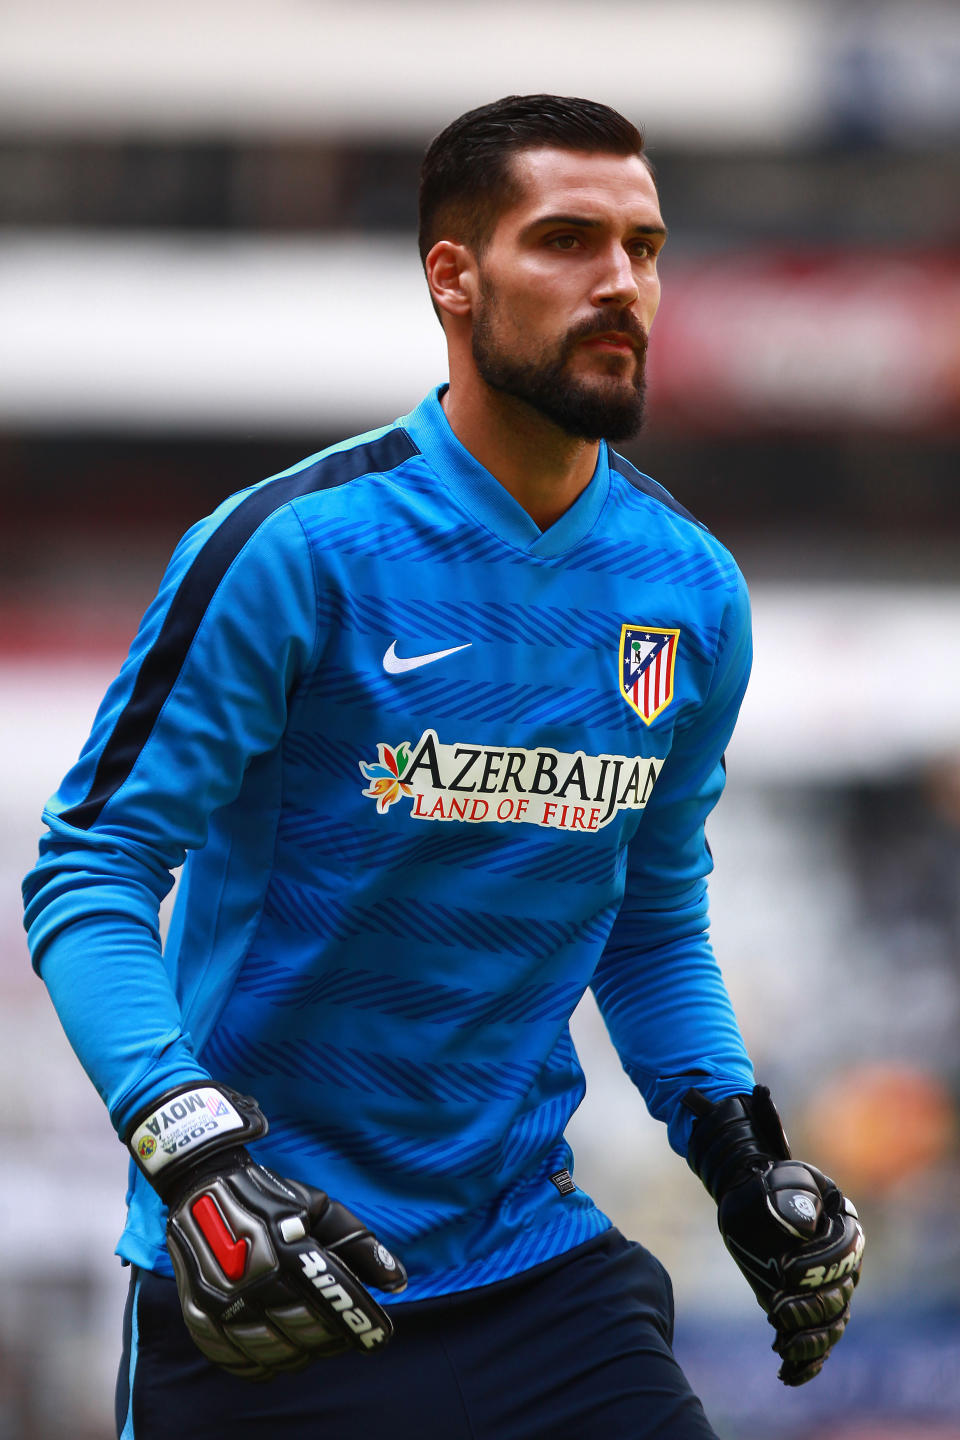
(471, 783)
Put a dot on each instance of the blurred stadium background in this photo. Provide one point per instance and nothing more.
(208, 270)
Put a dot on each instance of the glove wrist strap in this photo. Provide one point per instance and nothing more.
(186, 1126)
(733, 1138)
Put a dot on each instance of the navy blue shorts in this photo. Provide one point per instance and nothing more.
(579, 1347)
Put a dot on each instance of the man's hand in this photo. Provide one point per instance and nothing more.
(799, 1244)
(796, 1238)
(271, 1272)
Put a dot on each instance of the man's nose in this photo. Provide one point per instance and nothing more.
(618, 284)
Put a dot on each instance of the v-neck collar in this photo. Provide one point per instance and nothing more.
(487, 500)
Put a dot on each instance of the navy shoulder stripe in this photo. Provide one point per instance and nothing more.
(642, 482)
(162, 663)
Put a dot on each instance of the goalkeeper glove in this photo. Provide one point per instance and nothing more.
(271, 1273)
(796, 1238)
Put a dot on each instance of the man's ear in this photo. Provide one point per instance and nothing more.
(452, 276)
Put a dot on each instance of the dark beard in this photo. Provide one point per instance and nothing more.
(588, 412)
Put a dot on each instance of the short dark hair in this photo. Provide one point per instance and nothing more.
(466, 180)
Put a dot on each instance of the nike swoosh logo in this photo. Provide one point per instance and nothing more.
(395, 664)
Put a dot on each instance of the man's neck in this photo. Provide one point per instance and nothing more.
(544, 469)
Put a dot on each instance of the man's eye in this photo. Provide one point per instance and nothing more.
(564, 242)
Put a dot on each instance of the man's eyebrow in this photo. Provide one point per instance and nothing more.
(585, 222)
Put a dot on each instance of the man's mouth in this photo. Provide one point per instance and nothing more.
(612, 342)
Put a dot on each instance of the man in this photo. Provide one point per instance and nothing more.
(436, 718)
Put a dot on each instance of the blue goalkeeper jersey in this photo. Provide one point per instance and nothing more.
(430, 773)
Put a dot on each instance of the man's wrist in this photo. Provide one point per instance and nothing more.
(734, 1137)
(187, 1125)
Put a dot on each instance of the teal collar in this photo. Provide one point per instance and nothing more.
(486, 499)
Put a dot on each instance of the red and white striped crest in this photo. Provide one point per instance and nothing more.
(647, 658)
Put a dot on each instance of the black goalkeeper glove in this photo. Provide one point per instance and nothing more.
(271, 1272)
(797, 1240)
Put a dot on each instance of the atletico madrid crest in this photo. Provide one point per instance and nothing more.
(647, 659)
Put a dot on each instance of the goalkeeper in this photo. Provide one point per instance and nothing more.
(433, 722)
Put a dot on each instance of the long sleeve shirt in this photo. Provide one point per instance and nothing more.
(430, 773)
